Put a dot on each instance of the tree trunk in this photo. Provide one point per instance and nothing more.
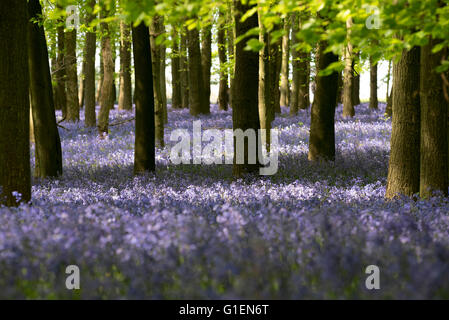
(106, 100)
(373, 101)
(206, 64)
(265, 94)
(82, 81)
(304, 81)
(156, 29)
(434, 151)
(89, 91)
(223, 96)
(125, 101)
(163, 79)
(144, 153)
(348, 77)
(403, 168)
(184, 71)
(296, 71)
(14, 103)
(176, 72)
(100, 80)
(231, 52)
(245, 113)
(322, 126)
(73, 107)
(196, 82)
(285, 88)
(48, 152)
(60, 75)
(275, 70)
(356, 84)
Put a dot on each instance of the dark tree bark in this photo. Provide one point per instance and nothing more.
(434, 151)
(184, 71)
(89, 91)
(125, 93)
(285, 87)
(223, 96)
(206, 64)
(245, 113)
(176, 71)
(106, 100)
(60, 75)
(196, 82)
(73, 107)
(404, 163)
(144, 154)
(275, 63)
(356, 84)
(100, 79)
(48, 152)
(14, 103)
(373, 101)
(156, 29)
(322, 127)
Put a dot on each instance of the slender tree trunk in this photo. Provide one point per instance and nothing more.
(89, 91)
(184, 72)
(265, 94)
(245, 113)
(356, 84)
(404, 163)
(388, 81)
(156, 29)
(14, 103)
(125, 95)
(348, 78)
(304, 81)
(82, 81)
(389, 108)
(163, 78)
(106, 100)
(340, 88)
(231, 55)
(322, 126)
(434, 142)
(176, 72)
(60, 75)
(296, 67)
(48, 152)
(100, 80)
(144, 154)
(73, 107)
(206, 64)
(223, 96)
(285, 88)
(196, 82)
(373, 101)
(275, 70)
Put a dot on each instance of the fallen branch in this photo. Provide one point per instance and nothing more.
(122, 122)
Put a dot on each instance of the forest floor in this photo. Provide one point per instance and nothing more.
(191, 231)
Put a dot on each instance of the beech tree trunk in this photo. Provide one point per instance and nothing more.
(206, 64)
(106, 100)
(60, 75)
(184, 71)
(48, 154)
(348, 77)
(223, 95)
(404, 163)
(73, 107)
(89, 91)
(14, 104)
(144, 152)
(163, 77)
(304, 81)
(285, 86)
(125, 93)
(176, 72)
(322, 126)
(245, 113)
(296, 71)
(156, 29)
(196, 82)
(373, 101)
(434, 142)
